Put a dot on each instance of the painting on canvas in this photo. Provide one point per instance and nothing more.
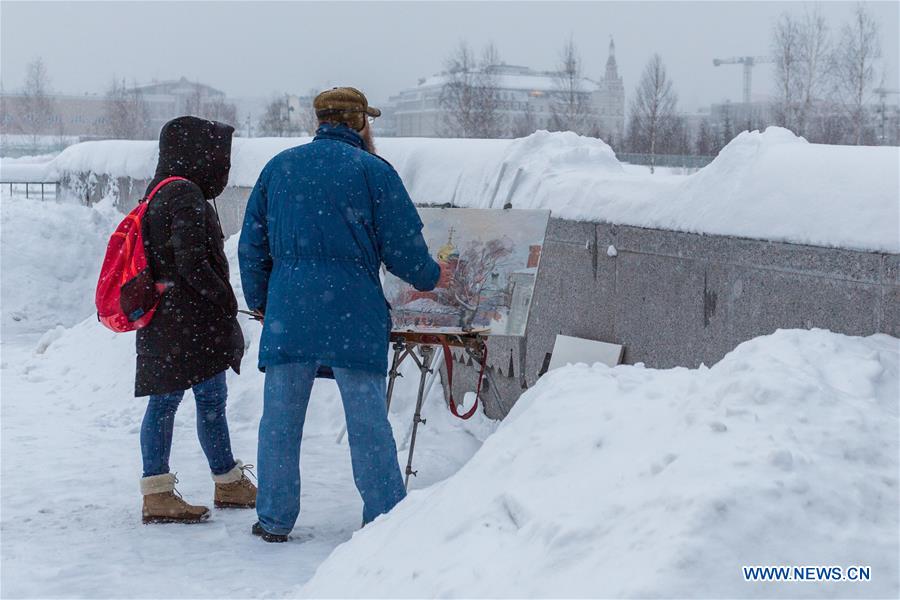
(489, 261)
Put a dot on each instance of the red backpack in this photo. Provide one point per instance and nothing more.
(127, 295)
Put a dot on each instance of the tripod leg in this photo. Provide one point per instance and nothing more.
(429, 382)
(395, 371)
(424, 370)
(433, 371)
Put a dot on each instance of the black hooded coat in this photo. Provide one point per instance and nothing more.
(194, 333)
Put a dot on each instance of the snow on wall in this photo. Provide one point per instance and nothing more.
(768, 185)
(783, 453)
(25, 168)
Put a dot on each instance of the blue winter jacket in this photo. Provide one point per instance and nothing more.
(319, 223)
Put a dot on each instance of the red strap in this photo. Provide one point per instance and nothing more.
(448, 363)
(161, 184)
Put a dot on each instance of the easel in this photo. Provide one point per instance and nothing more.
(431, 351)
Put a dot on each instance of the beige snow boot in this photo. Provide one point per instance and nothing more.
(234, 489)
(163, 504)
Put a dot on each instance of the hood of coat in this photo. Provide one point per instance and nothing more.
(198, 150)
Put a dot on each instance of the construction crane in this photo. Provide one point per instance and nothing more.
(882, 96)
(749, 62)
(883, 92)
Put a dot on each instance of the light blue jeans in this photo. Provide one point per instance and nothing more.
(373, 452)
(212, 427)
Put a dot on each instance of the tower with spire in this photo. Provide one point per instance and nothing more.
(611, 100)
(612, 69)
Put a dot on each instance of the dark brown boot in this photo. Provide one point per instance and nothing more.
(234, 489)
(162, 504)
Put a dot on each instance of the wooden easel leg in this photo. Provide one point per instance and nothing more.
(424, 370)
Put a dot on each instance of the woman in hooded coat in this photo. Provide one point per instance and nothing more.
(194, 336)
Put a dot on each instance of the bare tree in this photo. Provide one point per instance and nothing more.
(306, 119)
(653, 107)
(674, 137)
(219, 110)
(458, 92)
(786, 50)
(705, 142)
(470, 98)
(213, 108)
(38, 108)
(194, 101)
(489, 122)
(490, 55)
(812, 62)
(275, 121)
(571, 109)
(525, 124)
(478, 262)
(726, 133)
(854, 61)
(126, 114)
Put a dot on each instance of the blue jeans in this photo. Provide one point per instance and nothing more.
(373, 452)
(212, 428)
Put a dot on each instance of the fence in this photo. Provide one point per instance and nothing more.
(685, 161)
(15, 186)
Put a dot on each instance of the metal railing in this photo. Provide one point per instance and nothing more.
(685, 161)
(41, 185)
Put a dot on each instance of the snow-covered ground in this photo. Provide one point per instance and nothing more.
(70, 519)
(623, 482)
(768, 185)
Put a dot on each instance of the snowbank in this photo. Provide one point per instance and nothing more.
(26, 168)
(632, 482)
(50, 254)
(777, 186)
(771, 185)
(117, 158)
(768, 185)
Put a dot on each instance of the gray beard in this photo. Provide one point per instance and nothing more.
(369, 141)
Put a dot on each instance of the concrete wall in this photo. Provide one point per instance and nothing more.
(682, 299)
(90, 189)
(671, 298)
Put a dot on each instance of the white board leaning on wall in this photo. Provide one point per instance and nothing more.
(572, 350)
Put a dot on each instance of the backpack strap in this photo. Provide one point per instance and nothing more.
(160, 185)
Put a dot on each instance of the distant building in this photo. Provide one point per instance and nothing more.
(740, 116)
(526, 102)
(168, 99)
(68, 115)
(84, 117)
(886, 122)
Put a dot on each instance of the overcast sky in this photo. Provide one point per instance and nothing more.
(258, 48)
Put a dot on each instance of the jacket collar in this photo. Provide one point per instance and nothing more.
(341, 132)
